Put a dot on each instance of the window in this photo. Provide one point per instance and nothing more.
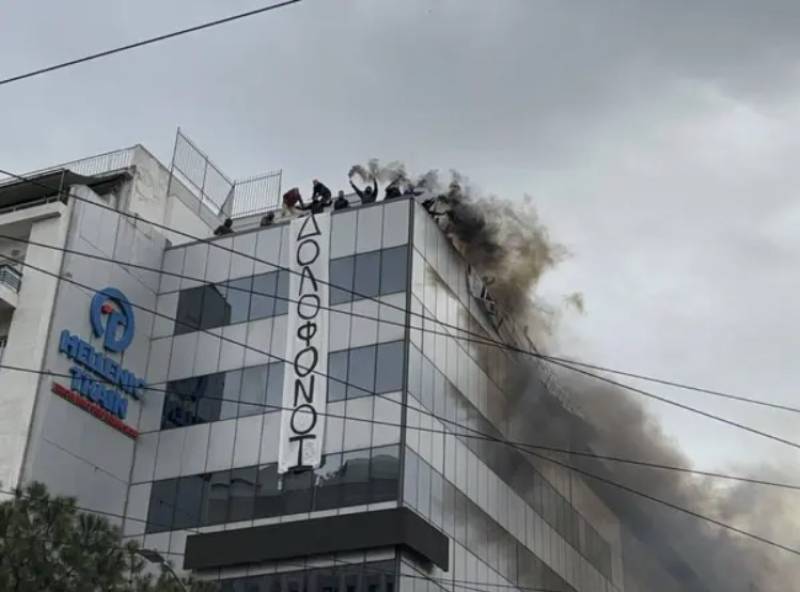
(162, 505)
(394, 270)
(237, 294)
(275, 387)
(189, 501)
(216, 310)
(262, 304)
(230, 393)
(341, 275)
(189, 311)
(390, 364)
(355, 478)
(328, 482)
(337, 376)
(367, 275)
(216, 510)
(297, 492)
(385, 473)
(254, 391)
(242, 494)
(282, 302)
(361, 372)
(268, 493)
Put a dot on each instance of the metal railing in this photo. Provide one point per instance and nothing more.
(10, 276)
(92, 165)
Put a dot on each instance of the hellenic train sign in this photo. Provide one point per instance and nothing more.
(304, 384)
(99, 384)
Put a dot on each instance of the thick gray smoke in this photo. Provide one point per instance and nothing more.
(511, 248)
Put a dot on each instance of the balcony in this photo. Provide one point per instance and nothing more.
(10, 281)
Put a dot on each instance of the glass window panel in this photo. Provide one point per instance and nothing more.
(189, 311)
(367, 275)
(351, 581)
(251, 584)
(436, 497)
(282, 301)
(275, 387)
(297, 492)
(254, 391)
(428, 387)
(394, 270)
(293, 582)
(230, 394)
(328, 482)
(209, 402)
(262, 304)
(337, 369)
(341, 275)
(162, 505)
(216, 510)
(242, 494)
(355, 477)
(189, 501)
(411, 478)
(216, 310)
(268, 493)
(390, 363)
(414, 371)
(424, 489)
(385, 473)
(178, 412)
(238, 297)
(361, 372)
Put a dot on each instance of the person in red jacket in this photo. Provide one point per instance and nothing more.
(292, 201)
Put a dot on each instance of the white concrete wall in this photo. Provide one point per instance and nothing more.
(71, 451)
(27, 337)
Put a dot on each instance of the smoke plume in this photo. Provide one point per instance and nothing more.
(664, 550)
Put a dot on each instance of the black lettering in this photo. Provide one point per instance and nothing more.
(307, 273)
(299, 411)
(314, 306)
(305, 370)
(313, 231)
(300, 388)
(311, 260)
(306, 331)
(301, 439)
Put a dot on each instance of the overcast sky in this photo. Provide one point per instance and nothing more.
(658, 138)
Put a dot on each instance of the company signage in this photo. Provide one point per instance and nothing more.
(305, 386)
(99, 384)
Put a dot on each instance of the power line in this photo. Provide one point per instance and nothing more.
(475, 435)
(562, 362)
(481, 339)
(639, 391)
(143, 42)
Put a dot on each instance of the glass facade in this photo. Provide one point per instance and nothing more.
(374, 576)
(361, 372)
(376, 273)
(350, 478)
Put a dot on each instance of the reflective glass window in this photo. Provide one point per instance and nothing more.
(242, 494)
(216, 309)
(229, 406)
(254, 391)
(297, 492)
(209, 402)
(367, 275)
(282, 301)
(355, 477)
(275, 387)
(328, 482)
(341, 276)
(394, 270)
(262, 304)
(162, 505)
(189, 311)
(216, 510)
(237, 294)
(337, 370)
(390, 364)
(361, 372)
(385, 473)
(268, 492)
(189, 501)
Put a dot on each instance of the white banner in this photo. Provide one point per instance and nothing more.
(304, 384)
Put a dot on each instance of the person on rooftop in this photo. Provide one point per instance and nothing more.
(341, 202)
(267, 219)
(393, 189)
(321, 191)
(224, 228)
(317, 205)
(292, 200)
(368, 194)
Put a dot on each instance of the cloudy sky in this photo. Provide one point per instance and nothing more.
(658, 138)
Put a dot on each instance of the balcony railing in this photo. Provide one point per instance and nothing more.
(10, 277)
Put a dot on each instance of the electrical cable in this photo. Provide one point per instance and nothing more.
(483, 340)
(143, 42)
(451, 433)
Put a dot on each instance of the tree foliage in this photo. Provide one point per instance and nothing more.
(46, 543)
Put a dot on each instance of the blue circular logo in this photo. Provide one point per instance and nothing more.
(112, 318)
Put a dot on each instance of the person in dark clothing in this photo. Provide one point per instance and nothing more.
(369, 194)
(317, 205)
(322, 192)
(225, 228)
(341, 202)
(393, 189)
(292, 200)
(268, 219)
